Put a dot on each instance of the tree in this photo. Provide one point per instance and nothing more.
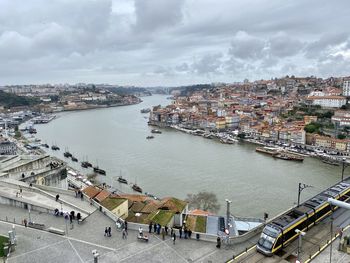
(341, 136)
(206, 201)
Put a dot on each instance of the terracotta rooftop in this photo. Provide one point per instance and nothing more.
(173, 204)
(91, 191)
(102, 196)
(199, 212)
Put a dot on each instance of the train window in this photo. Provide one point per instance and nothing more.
(271, 231)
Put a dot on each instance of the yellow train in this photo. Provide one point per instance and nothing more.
(281, 231)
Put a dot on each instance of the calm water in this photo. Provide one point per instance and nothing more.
(175, 164)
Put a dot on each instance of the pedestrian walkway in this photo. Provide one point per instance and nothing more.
(41, 246)
(35, 198)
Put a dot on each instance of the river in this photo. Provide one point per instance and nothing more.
(175, 164)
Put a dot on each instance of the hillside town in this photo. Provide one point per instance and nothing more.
(65, 97)
(290, 110)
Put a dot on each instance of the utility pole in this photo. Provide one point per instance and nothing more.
(301, 188)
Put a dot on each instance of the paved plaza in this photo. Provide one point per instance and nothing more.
(41, 246)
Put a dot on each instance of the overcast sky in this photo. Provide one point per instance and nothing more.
(171, 42)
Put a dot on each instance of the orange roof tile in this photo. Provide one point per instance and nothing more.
(91, 191)
(102, 195)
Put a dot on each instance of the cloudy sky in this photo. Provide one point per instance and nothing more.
(171, 42)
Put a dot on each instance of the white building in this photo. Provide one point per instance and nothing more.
(346, 88)
(328, 101)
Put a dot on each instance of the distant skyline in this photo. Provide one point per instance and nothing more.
(171, 42)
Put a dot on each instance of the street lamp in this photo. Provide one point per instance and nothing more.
(343, 168)
(301, 188)
(228, 202)
(330, 249)
(300, 235)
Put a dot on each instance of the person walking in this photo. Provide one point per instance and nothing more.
(155, 228)
(25, 222)
(218, 242)
(180, 232)
(171, 232)
(109, 231)
(174, 238)
(158, 229)
(106, 231)
(189, 233)
(150, 227)
(126, 226)
(57, 197)
(166, 230)
(124, 234)
(78, 217)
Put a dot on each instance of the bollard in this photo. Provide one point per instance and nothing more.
(310, 256)
(14, 220)
(246, 249)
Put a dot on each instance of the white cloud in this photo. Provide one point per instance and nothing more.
(170, 42)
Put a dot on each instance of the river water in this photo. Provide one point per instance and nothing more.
(175, 164)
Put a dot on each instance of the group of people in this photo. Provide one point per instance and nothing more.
(71, 216)
(158, 229)
(108, 231)
(79, 194)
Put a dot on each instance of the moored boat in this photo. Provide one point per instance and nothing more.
(74, 159)
(99, 171)
(86, 164)
(146, 110)
(150, 137)
(67, 154)
(288, 157)
(55, 148)
(122, 180)
(267, 150)
(136, 188)
(331, 162)
(156, 131)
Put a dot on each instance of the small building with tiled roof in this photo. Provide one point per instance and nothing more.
(117, 205)
(102, 196)
(91, 191)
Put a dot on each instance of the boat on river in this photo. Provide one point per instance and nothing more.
(288, 157)
(136, 188)
(267, 150)
(122, 180)
(55, 148)
(146, 110)
(86, 164)
(330, 161)
(156, 131)
(74, 159)
(150, 137)
(99, 171)
(67, 154)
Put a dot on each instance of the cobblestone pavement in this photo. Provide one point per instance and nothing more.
(40, 246)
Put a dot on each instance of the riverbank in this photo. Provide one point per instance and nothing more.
(231, 137)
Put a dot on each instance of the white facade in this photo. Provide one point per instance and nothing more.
(346, 88)
(329, 101)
